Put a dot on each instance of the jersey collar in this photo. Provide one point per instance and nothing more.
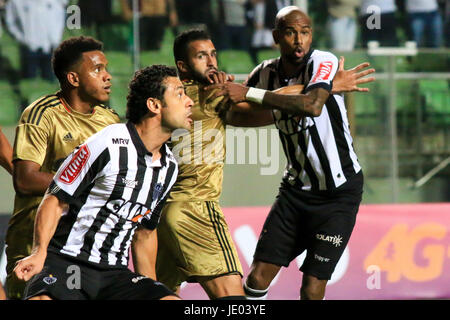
(140, 147)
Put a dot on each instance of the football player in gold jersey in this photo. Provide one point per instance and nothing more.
(48, 130)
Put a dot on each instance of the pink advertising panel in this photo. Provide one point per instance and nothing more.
(395, 252)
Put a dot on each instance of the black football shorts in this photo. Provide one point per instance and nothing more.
(64, 278)
(320, 223)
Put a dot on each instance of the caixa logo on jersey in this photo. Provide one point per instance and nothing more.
(73, 169)
(129, 210)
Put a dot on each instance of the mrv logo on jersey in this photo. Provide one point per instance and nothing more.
(73, 169)
(133, 211)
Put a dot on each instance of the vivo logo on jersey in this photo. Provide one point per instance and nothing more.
(133, 211)
(73, 169)
(324, 71)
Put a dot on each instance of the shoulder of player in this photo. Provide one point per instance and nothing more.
(106, 110)
(106, 137)
(269, 64)
(262, 71)
(40, 109)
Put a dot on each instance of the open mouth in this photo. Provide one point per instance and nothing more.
(299, 53)
(107, 88)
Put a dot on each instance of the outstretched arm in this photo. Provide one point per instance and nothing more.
(308, 104)
(247, 114)
(47, 218)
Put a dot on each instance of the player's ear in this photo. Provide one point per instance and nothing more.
(154, 105)
(276, 35)
(182, 66)
(73, 79)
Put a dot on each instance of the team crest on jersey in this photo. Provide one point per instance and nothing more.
(73, 169)
(323, 72)
(157, 190)
(50, 279)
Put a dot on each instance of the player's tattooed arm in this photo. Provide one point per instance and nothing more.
(248, 114)
(309, 104)
(47, 218)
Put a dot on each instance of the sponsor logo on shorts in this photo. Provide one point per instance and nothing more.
(335, 240)
(73, 169)
(320, 258)
(50, 279)
(137, 279)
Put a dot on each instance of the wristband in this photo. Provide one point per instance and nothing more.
(255, 95)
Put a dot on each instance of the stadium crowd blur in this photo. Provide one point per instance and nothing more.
(38, 25)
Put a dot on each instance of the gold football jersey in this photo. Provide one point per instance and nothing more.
(48, 131)
(201, 150)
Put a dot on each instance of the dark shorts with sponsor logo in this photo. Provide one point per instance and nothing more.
(320, 223)
(64, 278)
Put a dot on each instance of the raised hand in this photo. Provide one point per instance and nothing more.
(348, 80)
(217, 77)
(231, 90)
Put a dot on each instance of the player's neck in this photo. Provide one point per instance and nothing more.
(290, 69)
(75, 102)
(152, 134)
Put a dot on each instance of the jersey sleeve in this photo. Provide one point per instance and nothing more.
(254, 78)
(151, 221)
(81, 168)
(32, 138)
(324, 66)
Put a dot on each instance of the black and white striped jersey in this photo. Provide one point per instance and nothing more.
(111, 186)
(319, 150)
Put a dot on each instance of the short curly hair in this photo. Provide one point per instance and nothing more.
(69, 52)
(147, 83)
